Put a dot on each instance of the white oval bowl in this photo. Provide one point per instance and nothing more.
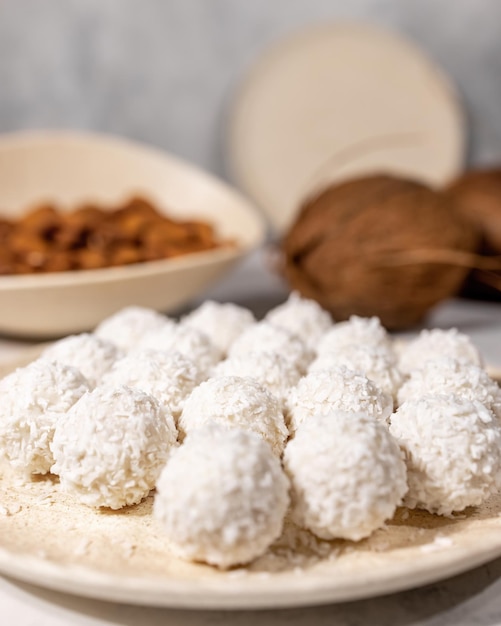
(72, 168)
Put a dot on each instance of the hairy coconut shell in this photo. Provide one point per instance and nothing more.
(378, 245)
(477, 194)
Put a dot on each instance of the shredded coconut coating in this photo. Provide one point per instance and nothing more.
(375, 362)
(453, 452)
(169, 377)
(302, 317)
(265, 337)
(222, 323)
(436, 343)
(323, 392)
(446, 376)
(111, 447)
(236, 402)
(190, 342)
(361, 331)
(270, 370)
(222, 497)
(347, 475)
(91, 355)
(34, 399)
(126, 327)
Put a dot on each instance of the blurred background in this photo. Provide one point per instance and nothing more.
(163, 72)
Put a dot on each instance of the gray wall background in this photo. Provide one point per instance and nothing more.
(163, 71)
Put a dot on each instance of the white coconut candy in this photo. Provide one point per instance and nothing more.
(266, 337)
(236, 403)
(436, 343)
(375, 362)
(446, 376)
(347, 475)
(111, 446)
(222, 497)
(192, 343)
(302, 317)
(271, 370)
(361, 331)
(221, 322)
(33, 400)
(169, 377)
(91, 355)
(453, 452)
(323, 392)
(126, 327)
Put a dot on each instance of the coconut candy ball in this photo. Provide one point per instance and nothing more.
(436, 343)
(111, 446)
(266, 337)
(91, 355)
(324, 392)
(270, 370)
(446, 376)
(362, 331)
(236, 402)
(222, 497)
(222, 323)
(347, 475)
(453, 452)
(34, 399)
(302, 317)
(375, 362)
(126, 327)
(190, 342)
(169, 377)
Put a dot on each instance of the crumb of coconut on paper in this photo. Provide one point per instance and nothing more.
(221, 322)
(452, 448)
(33, 401)
(235, 402)
(222, 497)
(111, 446)
(439, 543)
(13, 509)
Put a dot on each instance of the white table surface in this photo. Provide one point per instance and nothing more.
(471, 599)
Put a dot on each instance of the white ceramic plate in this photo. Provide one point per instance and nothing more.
(71, 168)
(337, 101)
(49, 540)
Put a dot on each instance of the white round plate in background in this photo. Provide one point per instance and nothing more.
(337, 101)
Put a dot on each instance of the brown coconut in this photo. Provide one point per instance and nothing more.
(477, 194)
(381, 246)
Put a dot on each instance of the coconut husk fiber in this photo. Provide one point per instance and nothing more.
(477, 195)
(379, 245)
